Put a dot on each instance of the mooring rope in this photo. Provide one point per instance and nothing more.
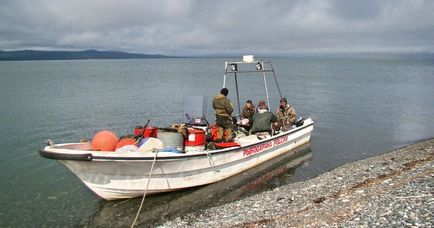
(146, 190)
(211, 161)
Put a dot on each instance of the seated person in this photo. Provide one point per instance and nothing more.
(286, 115)
(263, 119)
(247, 113)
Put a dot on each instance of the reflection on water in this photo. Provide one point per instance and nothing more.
(159, 208)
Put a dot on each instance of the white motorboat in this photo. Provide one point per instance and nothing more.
(119, 174)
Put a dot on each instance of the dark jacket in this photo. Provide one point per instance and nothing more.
(262, 122)
(222, 105)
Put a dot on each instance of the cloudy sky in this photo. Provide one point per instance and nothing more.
(202, 27)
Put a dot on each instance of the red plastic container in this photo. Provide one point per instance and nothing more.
(196, 137)
(149, 131)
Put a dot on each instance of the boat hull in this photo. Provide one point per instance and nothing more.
(115, 177)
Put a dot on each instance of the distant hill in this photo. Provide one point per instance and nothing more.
(67, 55)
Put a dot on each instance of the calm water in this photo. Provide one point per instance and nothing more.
(362, 107)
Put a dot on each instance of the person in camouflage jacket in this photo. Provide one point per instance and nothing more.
(223, 113)
(286, 115)
(248, 110)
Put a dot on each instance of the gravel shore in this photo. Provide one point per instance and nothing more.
(395, 189)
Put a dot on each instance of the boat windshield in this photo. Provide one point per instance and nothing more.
(195, 108)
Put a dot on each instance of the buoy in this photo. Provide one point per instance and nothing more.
(104, 141)
(125, 142)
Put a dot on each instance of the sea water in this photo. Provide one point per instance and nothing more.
(362, 107)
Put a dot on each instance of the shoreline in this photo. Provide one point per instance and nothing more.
(396, 189)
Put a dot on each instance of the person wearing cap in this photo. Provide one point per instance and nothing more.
(286, 115)
(262, 120)
(223, 113)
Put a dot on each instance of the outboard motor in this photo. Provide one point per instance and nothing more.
(299, 122)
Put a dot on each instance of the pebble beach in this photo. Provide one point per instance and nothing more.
(395, 189)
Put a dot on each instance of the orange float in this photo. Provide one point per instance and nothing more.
(104, 141)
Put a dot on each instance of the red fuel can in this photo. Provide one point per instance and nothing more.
(195, 137)
(149, 131)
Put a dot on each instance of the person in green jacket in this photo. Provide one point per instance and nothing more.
(223, 114)
(263, 119)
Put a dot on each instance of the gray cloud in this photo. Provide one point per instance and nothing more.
(219, 27)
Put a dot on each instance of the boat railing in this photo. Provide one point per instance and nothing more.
(261, 67)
